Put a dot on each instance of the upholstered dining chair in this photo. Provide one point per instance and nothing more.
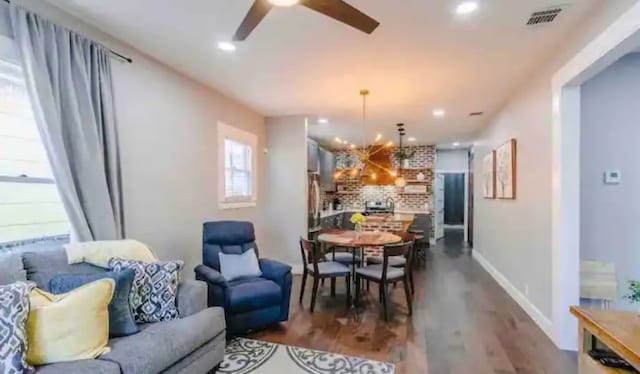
(400, 261)
(385, 274)
(318, 268)
(421, 228)
(251, 302)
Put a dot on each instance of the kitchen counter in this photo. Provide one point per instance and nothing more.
(330, 213)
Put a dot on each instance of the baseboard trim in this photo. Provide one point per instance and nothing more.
(536, 315)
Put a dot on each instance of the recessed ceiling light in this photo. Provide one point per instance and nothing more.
(455, 144)
(467, 7)
(439, 112)
(323, 120)
(411, 139)
(283, 2)
(227, 46)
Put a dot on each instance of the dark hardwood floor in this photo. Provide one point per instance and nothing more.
(462, 322)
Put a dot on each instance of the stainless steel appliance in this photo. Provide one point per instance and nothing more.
(313, 202)
(379, 207)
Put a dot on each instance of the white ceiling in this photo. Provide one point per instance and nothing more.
(299, 62)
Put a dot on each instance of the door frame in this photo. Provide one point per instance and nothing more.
(466, 198)
(620, 38)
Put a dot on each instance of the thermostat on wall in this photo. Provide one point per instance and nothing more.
(612, 177)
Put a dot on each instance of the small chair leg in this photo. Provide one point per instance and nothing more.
(333, 287)
(407, 294)
(413, 287)
(357, 299)
(314, 294)
(304, 284)
(348, 280)
(383, 293)
(367, 285)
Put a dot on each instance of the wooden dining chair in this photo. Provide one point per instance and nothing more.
(314, 265)
(384, 274)
(400, 261)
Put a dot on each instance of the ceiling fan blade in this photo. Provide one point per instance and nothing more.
(258, 11)
(343, 12)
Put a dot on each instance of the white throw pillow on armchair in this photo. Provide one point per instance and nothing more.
(235, 266)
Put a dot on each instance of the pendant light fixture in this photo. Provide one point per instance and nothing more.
(363, 154)
(400, 181)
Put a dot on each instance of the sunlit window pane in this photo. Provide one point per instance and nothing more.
(30, 206)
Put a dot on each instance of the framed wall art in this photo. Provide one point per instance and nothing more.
(505, 163)
(489, 175)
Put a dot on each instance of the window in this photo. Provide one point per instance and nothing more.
(237, 160)
(30, 207)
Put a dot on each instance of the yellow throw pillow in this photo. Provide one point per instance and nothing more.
(101, 251)
(71, 326)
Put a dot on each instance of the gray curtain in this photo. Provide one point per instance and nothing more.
(69, 80)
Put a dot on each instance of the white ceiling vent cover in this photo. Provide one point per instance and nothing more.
(545, 16)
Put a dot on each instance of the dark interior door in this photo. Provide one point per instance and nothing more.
(454, 199)
(471, 206)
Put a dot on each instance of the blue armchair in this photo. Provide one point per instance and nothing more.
(249, 303)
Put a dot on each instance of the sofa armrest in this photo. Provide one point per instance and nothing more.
(274, 270)
(191, 298)
(209, 275)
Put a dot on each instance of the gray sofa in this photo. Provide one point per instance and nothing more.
(194, 343)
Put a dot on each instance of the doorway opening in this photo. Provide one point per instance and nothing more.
(619, 39)
(451, 192)
(454, 194)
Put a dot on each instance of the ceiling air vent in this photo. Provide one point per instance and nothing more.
(545, 16)
(474, 114)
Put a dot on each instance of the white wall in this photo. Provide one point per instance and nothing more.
(610, 139)
(167, 125)
(286, 193)
(452, 160)
(513, 238)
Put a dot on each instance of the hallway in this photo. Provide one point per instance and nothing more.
(463, 322)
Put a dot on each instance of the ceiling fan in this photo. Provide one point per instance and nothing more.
(336, 9)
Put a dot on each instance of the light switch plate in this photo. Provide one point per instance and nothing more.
(612, 177)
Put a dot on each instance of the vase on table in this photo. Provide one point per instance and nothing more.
(358, 230)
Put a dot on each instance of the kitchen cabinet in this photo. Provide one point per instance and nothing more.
(332, 222)
(312, 156)
(327, 223)
(346, 221)
(327, 162)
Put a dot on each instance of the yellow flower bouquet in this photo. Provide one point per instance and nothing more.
(358, 219)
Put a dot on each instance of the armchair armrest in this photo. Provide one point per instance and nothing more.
(274, 270)
(209, 275)
(192, 297)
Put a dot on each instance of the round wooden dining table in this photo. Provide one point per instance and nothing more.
(352, 241)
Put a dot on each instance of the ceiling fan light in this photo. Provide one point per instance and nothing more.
(284, 2)
(467, 7)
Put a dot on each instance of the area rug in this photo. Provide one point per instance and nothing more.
(245, 356)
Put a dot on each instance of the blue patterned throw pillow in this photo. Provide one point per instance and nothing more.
(14, 310)
(154, 289)
(121, 321)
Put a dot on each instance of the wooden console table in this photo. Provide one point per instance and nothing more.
(612, 330)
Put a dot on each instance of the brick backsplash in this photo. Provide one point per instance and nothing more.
(357, 193)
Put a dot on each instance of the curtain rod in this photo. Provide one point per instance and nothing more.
(114, 53)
